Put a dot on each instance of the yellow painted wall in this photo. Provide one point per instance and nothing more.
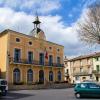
(37, 47)
(3, 53)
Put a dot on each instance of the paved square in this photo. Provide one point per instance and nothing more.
(50, 94)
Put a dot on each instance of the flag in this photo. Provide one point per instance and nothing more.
(46, 54)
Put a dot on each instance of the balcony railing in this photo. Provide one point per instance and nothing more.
(34, 62)
(81, 73)
(96, 72)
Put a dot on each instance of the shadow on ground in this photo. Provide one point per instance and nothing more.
(14, 96)
(90, 98)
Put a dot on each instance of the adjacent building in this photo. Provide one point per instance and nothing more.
(83, 68)
(67, 70)
(28, 59)
(96, 67)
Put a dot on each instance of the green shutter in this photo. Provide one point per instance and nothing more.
(97, 68)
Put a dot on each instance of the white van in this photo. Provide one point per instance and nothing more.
(3, 87)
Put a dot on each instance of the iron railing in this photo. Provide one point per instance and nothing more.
(96, 72)
(81, 73)
(34, 62)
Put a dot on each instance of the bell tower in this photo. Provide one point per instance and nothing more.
(37, 22)
(37, 32)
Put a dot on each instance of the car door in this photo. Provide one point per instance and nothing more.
(94, 89)
(84, 89)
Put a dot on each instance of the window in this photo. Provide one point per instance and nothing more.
(50, 48)
(77, 78)
(97, 79)
(81, 69)
(50, 76)
(59, 76)
(58, 60)
(17, 55)
(65, 63)
(16, 75)
(50, 60)
(67, 71)
(58, 50)
(89, 70)
(83, 85)
(30, 43)
(17, 40)
(41, 60)
(30, 57)
(30, 75)
(97, 58)
(83, 78)
(92, 85)
(97, 68)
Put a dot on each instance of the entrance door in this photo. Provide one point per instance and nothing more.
(16, 75)
(41, 76)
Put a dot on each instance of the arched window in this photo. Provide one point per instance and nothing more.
(50, 76)
(16, 75)
(59, 76)
(30, 75)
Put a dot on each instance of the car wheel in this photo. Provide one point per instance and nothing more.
(4, 93)
(78, 95)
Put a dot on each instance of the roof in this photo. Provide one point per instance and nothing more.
(96, 54)
(9, 30)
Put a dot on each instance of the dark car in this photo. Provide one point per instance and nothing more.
(87, 89)
(3, 87)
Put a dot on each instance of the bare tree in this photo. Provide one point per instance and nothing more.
(89, 29)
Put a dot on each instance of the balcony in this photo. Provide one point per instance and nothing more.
(34, 62)
(84, 73)
(96, 72)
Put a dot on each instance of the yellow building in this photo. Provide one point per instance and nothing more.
(67, 71)
(27, 59)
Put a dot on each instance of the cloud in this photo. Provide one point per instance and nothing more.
(30, 6)
(52, 26)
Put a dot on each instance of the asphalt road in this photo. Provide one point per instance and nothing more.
(50, 94)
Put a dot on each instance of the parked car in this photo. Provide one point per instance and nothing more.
(87, 89)
(3, 87)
